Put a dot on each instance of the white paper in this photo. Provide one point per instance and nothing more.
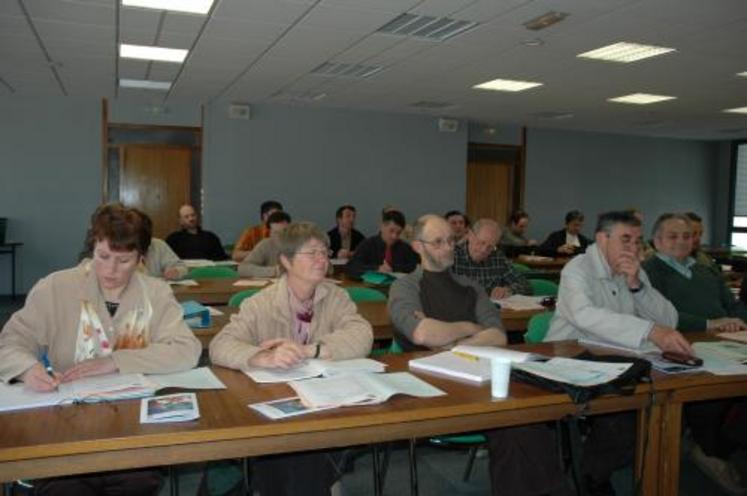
(199, 378)
(107, 387)
(578, 372)
(180, 407)
(722, 357)
(197, 262)
(215, 312)
(740, 336)
(491, 352)
(648, 346)
(361, 389)
(338, 261)
(19, 397)
(314, 368)
(520, 302)
(184, 282)
(284, 408)
(251, 283)
(451, 365)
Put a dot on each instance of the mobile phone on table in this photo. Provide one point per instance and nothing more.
(682, 358)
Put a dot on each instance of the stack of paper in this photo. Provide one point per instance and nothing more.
(578, 372)
(314, 368)
(180, 407)
(453, 365)
(493, 352)
(520, 302)
(723, 357)
(361, 389)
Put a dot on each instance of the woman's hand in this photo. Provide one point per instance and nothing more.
(37, 379)
(88, 368)
(279, 353)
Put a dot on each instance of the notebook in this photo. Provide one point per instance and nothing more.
(454, 366)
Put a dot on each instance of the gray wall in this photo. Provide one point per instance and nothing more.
(50, 181)
(315, 160)
(598, 172)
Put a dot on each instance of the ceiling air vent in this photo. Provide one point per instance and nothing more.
(426, 27)
(355, 71)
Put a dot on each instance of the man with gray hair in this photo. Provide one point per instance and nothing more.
(606, 297)
(479, 259)
(432, 308)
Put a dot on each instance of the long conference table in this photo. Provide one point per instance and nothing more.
(77, 439)
(217, 292)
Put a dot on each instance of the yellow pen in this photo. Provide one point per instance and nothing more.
(467, 356)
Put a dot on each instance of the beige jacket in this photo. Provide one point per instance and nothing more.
(51, 316)
(160, 257)
(336, 324)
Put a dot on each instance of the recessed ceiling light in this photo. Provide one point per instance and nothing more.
(738, 110)
(189, 6)
(641, 98)
(152, 53)
(534, 42)
(625, 52)
(145, 84)
(506, 85)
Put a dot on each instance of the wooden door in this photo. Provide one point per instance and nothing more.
(489, 186)
(156, 179)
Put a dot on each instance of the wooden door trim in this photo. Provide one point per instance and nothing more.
(518, 172)
(124, 125)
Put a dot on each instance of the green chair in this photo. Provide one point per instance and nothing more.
(537, 327)
(360, 294)
(521, 267)
(543, 287)
(237, 298)
(217, 272)
(378, 278)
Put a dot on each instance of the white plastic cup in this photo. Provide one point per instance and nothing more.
(500, 376)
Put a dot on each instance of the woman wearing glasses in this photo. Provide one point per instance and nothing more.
(301, 316)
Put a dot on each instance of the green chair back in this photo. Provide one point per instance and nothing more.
(537, 327)
(237, 298)
(217, 272)
(543, 287)
(521, 267)
(378, 278)
(359, 294)
(395, 348)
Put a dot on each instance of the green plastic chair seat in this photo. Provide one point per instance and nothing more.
(521, 267)
(218, 272)
(359, 294)
(537, 327)
(543, 287)
(237, 298)
(377, 278)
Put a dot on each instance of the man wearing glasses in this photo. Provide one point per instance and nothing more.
(433, 308)
(480, 260)
(606, 296)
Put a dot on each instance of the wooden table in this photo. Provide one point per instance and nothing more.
(375, 313)
(89, 438)
(219, 291)
(554, 263)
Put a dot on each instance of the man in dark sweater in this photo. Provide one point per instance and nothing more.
(384, 252)
(191, 241)
(703, 303)
(432, 308)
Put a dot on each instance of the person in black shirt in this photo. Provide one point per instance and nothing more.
(191, 241)
(384, 252)
(344, 239)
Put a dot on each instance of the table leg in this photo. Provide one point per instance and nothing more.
(648, 449)
(671, 435)
(13, 272)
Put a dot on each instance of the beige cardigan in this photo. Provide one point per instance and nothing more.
(51, 316)
(336, 324)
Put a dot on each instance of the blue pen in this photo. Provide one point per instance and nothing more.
(47, 365)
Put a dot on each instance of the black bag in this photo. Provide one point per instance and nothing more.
(625, 384)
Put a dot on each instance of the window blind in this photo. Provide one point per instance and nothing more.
(740, 186)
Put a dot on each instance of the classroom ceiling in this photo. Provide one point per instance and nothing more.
(256, 51)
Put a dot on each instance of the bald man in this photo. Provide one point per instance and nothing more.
(433, 308)
(191, 241)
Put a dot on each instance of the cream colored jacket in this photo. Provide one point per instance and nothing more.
(51, 316)
(336, 324)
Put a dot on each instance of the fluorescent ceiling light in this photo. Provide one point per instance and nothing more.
(739, 110)
(506, 85)
(624, 52)
(189, 6)
(743, 74)
(641, 98)
(152, 53)
(145, 84)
